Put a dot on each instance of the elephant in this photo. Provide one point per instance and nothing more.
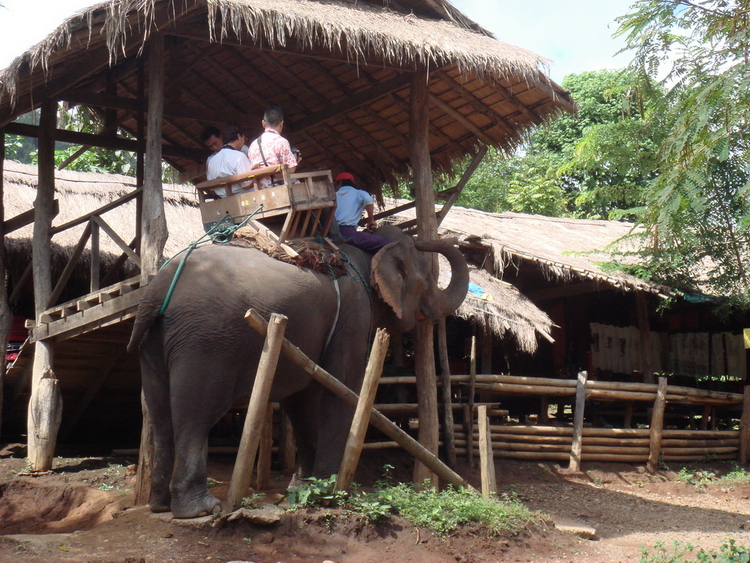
(199, 356)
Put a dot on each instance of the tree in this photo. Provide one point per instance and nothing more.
(697, 204)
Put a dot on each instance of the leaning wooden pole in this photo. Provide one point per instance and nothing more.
(361, 418)
(45, 405)
(486, 459)
(577, 446)
(377, 419)
(424, 355)
(256, 412)
(657, 426)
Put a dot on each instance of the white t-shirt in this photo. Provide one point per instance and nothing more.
(228, 162)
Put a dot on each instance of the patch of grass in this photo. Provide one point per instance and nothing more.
(252, 500)
(729, 552)
(316, 492)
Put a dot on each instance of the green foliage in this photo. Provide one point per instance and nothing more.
(444, 511)
(698, 202)
(316, 492)
(252, 500)
(729, 552)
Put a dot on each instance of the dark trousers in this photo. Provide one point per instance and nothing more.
(363, 239)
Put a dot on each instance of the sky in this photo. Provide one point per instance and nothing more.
(574, 34)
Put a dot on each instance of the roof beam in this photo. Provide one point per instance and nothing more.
(461, 118)
(377, 91)
(111, 143)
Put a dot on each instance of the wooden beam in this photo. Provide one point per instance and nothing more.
(462, 119)
(567, 290)
(100, 211)
(375, 92)
(111, 143)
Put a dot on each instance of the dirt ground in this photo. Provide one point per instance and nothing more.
(83, 512)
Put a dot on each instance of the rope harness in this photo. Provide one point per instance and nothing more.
(214, 235)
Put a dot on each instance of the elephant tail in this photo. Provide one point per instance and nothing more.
(148, 314)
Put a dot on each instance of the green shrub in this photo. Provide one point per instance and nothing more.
(728, 552)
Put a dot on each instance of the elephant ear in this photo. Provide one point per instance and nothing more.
(388, 275)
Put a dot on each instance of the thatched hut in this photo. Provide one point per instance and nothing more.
(379, 88)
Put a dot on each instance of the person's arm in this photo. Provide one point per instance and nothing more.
(371, 224)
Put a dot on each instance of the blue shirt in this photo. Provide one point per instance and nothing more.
(350, 203)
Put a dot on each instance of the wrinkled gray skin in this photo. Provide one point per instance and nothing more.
(200, 356)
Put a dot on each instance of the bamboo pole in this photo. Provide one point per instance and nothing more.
(6, 317)
(486, 461)
(745, 428)
(256, 410)
(575, 450)
(445, 379)
(296, 356)
(287, 451)
(361, 418)
(657, 425)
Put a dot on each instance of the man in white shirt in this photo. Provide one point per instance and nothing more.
(230, 160)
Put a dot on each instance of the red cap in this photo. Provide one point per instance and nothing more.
(345, 176)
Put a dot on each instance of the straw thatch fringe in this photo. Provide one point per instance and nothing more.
(355, 30)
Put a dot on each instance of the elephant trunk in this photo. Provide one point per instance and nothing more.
(443, 303)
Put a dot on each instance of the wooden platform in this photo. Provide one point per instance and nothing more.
(112, 304)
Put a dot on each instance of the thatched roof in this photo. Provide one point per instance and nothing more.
(564, 249)
(79, 193)
(498, 305)
(341, 69)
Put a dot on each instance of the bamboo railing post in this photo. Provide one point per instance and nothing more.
(382, 423)
(356, 438)
(472, 389)
(256, 411)
(657, 426)
(745, 427)
(287, 451)
(486, 460)
(577, 446)
(445, 378)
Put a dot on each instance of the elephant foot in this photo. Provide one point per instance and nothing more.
(160, 501)
(195, 507)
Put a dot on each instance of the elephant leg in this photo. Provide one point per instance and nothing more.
(335, 423)
(301, 409)
(156, 393)
(198, 402)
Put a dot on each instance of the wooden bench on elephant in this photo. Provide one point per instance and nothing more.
(294, 208)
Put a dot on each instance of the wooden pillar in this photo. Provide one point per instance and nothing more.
(45, 405)
(486, 459)
(154, 224)
(287, 449)
(657, 425)
(449, 438)
(645, 332)
(6, 317)
(577, 446)
(745, 428)
(486, 350)
(470, 400)
(424, 355)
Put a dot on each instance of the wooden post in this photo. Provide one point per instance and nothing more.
(377, 419)
(42, 432)
(657, 425)
(287, 451)
(486, 460)
(745, 428)
(472, 390)
(645, 332)
(362, 412)
(6, 317)
(95, 256)
(486, 350)
(256, 410)
(145, 457)
(577, 446)
(265, 449)
(424, 356)
(154, 224)
(153, 221)
(544, 411)
(449, 439)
